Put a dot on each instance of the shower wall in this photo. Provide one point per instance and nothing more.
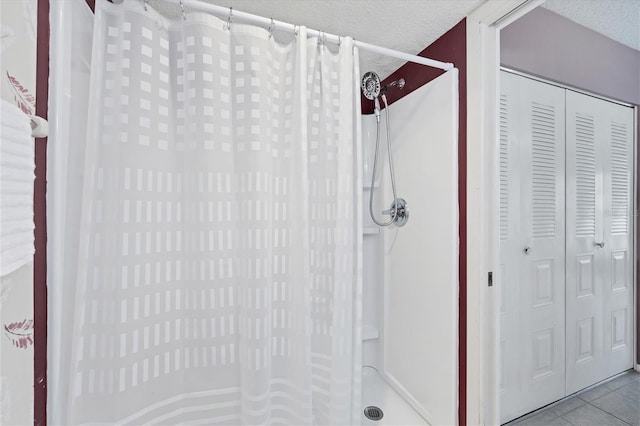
(411, 273)
(450, 47)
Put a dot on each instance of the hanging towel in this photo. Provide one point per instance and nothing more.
(17, 166)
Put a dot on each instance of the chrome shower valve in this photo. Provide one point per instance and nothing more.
(399, 211)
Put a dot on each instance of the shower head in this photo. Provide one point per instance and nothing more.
(371, 85)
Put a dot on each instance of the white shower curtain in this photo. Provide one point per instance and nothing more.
(219, 262)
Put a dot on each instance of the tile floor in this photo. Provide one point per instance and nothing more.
(616, 402)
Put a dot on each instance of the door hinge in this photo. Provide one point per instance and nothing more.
(490, 279)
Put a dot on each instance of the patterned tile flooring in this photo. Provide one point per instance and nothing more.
(616, 402)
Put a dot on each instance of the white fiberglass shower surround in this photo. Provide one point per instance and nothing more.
(210, 260)
(410, 307)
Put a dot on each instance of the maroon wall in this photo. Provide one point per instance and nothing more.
(451, 47)
(547, 45)
(40, 219)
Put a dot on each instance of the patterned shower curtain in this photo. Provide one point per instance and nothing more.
(219, 267)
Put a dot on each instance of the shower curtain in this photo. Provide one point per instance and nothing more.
(217, 278)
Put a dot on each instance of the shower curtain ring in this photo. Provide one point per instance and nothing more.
(184, 15)
(228, 26)
(271, 28)
(295, 31)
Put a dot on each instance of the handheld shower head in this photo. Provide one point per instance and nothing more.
(371, 90)
(370, 85)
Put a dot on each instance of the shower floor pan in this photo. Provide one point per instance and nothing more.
(376, 392)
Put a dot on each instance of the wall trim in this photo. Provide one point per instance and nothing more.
(483, 63)
(636, 324)
(564, 86)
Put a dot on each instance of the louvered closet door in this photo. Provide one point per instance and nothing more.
(599, 240)
(532, 245)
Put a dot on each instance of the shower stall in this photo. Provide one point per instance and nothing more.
(212, 253)
(411, 271)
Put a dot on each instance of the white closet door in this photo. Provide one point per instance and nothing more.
(618, 237)
(599, 240)
(511, 243)
(532, 245)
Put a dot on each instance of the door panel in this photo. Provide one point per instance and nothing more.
(584, 205)
(566, 260)
(599, 168)
(532, 245)
(618, 237)
(511, 245)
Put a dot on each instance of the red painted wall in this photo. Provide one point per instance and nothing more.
(40, 219)
(451, 47)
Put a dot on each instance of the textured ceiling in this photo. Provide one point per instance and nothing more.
(411, 25)
(616, 19)
(406, 25)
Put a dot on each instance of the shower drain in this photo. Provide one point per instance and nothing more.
(373, 413)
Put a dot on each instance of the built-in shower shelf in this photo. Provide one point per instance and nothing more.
(371, 230)
(369, 333)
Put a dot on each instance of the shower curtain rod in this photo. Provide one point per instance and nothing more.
(233, 15)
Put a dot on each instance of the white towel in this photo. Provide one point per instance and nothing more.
(17, 164)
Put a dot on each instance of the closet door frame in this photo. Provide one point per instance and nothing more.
(635, 191)
(483, 282)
